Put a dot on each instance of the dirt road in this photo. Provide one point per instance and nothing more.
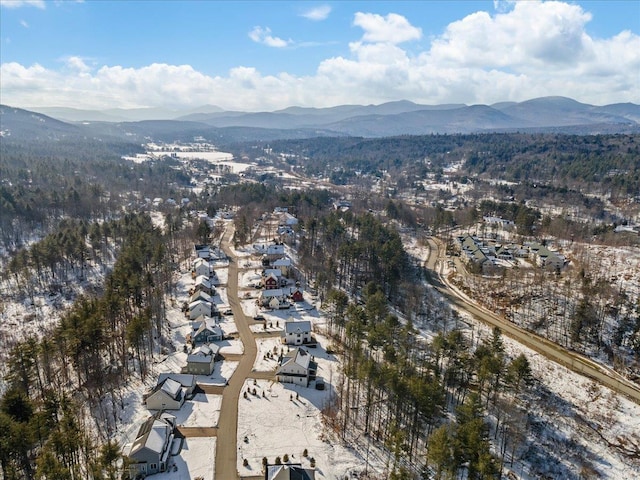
(193, 432)
(226, 448)
(552, 351)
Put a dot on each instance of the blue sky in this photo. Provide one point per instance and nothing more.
(265, 55)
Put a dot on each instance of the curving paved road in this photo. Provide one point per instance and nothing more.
(574, 361)
(227, 432)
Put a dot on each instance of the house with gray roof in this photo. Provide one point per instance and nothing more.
(200, 307)
(291, 471)
(202, 359)
(201, 266)
(205, 330)
(296, 332)
(166, 395)
(203, 284)
(297, 366)
(200, 295)
(170, 392)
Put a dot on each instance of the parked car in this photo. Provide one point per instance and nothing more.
(228, 312)
(258, 317)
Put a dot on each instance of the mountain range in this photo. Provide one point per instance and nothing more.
(547, 114)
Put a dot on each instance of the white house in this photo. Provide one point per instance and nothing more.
(201, 266)
(200, 307)
(298, 367)
(204, 284)
(150, 450)
(296, 333)
(267, 298)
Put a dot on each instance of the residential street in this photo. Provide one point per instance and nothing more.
(226, 448)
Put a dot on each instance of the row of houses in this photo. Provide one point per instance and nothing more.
(477, 252)
(278, 291)
(149, 453)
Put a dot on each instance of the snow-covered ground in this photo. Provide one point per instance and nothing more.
(287, 420)
(576, 420)
(202, 410)
(197, 459)
(572, 409)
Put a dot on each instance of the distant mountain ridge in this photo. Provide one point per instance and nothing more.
(546, 114)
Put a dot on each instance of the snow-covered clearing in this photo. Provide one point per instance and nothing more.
(197, 459)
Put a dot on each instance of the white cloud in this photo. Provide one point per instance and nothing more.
(535, 49)
(22, 3)
(77, 64)
(24, 23)
(393, 28)
(550, 33)
(317, 13)
(263, 35)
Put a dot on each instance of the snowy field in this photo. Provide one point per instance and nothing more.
(280, 424)
(197, 459)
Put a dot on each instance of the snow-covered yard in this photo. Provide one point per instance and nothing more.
(196, 460)
(221, 374)
(286, 419)
(203, 410)
(279, 424)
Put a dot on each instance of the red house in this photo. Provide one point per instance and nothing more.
(271, 282)
(296, 295)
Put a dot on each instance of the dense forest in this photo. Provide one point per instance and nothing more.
(597, 163)
(82, 361)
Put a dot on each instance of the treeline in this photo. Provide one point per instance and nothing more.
(609, 162)
(79, 365)
(441, 409)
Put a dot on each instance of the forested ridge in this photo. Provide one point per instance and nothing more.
(83, 361)
(43, 182)
(606, 162)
